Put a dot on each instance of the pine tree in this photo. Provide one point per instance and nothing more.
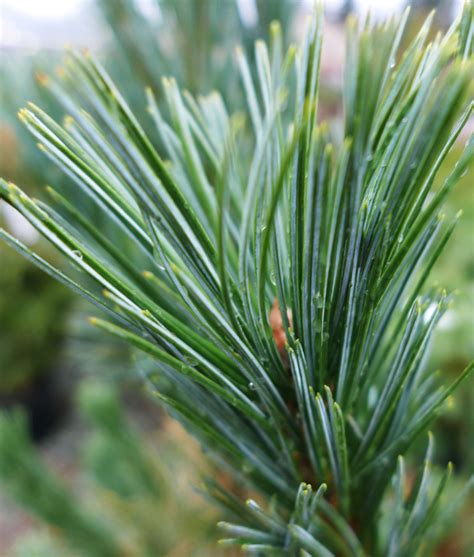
(277, 277)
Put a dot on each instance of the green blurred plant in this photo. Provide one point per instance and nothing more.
(33, 485)
(33, 312)
(130, 501)
(284, 296)
(453, 342)
(455, 271)
(193, 41)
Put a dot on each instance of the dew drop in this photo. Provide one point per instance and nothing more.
(252, 386)
(372, 398)
(77, 254)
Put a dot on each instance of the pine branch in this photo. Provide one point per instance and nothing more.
(278, 280)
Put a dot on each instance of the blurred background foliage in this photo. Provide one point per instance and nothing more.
(38, 329)
(125, 471)
(129, 499)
